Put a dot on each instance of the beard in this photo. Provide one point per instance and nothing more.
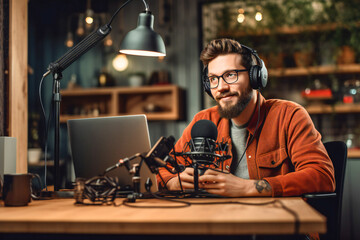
(231, 111)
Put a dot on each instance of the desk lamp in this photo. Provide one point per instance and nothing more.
(142, 41)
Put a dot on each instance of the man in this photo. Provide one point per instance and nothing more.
(275, 148)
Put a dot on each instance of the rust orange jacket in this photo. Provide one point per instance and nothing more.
(286, 151)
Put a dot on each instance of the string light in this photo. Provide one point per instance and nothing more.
(241, 15)
(89, 16)
(108, 41)
(86, 22)
(69, 40)
(80, 30)
(258, 15)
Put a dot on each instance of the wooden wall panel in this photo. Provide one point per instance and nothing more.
(2, 75)
(18, 109)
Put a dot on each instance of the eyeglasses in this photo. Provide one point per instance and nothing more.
(229, 77)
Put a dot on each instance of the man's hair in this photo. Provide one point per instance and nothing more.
(225, 46)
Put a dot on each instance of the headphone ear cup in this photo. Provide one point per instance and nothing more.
(264, 74)
(253, 76)
(206, 83)
(207, 88)
(258, 76)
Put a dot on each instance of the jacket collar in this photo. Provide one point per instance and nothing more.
(254, 118)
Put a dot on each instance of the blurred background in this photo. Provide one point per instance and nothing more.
(311, 50)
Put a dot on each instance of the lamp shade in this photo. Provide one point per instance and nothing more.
(143, 40)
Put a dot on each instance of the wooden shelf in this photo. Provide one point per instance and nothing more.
(317, 70)
(287, 30)
(328, 109)
(353, 153)
(166, 102)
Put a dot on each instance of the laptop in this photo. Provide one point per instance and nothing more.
(98, 143)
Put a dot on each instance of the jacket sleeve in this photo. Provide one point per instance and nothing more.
(313, 169)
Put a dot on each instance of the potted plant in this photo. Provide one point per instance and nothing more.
(346, 36)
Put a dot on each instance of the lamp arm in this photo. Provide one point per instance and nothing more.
(78, 50)
(85, 45)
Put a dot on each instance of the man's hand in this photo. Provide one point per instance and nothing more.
(187, 180)
(229, 185)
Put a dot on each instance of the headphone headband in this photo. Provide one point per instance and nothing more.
(253, 53)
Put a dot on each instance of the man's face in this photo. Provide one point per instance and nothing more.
(233, 98)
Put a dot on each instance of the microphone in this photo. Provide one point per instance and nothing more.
(158, 156)
(155, 158)
(203, 141)
(202, 148)
(78, 50)
(122, 162)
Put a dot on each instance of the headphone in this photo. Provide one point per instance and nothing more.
(258, 74)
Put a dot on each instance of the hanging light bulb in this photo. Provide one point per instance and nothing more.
(258, 15)
(120, 62)
(241, 15)
(69, 40)
(80, 30)
(108, 41)
(89, 16)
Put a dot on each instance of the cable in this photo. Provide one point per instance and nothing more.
(125, 202)
(181, 187)
(99, 190)
(47, 126)
(252, 137)
(162, 179)
(146, 6)
(188, 204)
(292, 212)
(117, 11)
(236, 202)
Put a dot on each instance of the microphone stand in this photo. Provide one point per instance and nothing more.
(56, 101)
(136, 183)
(196, 176)
(136, 178)
(61, 64)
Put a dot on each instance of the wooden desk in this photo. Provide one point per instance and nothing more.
(62, 216)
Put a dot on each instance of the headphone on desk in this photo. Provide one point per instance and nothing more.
(258, 74)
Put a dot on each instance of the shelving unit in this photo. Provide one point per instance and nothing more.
(321, 70)
(156, 102)
(341, 71)
(322, 108)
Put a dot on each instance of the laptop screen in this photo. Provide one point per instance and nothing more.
(98, 143)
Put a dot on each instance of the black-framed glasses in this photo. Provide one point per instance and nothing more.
(229, 77)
